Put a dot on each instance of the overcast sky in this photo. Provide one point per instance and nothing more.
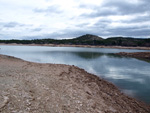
(30, 19)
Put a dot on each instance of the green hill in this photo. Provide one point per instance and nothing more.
(88, 37)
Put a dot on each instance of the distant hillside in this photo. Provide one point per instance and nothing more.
(88, 39)
(127, 41)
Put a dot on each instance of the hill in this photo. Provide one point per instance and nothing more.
(88, 39)
(127, 41)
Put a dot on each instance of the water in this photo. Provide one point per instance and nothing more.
(131, 75)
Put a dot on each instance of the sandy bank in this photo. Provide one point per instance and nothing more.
(27, 87)
(87, 46)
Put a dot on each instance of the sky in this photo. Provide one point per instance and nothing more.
(63, 19)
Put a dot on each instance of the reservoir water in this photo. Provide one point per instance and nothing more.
(130, 75)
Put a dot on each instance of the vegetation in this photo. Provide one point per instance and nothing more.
(87, 40)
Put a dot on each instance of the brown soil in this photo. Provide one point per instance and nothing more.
(27, 87)
(87, 46)
(140, 55)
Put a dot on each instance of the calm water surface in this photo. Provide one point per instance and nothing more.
(131, 75)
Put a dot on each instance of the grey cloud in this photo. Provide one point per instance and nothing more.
(7, 36)
(97, 29)
(99, 12)
(36, 29)
(63, 34)
(50, 10)
(1, 36)
(125, 8)
(117, 7)
(67, 33)
(78, 32)
(87, 6)
(102, 28)
(10, 24)
(102, 24)
(139, 19)
(131, 32)
(82, 25)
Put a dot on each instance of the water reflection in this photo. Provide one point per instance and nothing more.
(88, 55)
(83, 55)
(131, 75)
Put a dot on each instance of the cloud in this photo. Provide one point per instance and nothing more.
(72, 18)
(117, 7)
(129, 32)
(10, 24)
(101, 12)
(140, 18)
(36, 29)
(62, 34)
(82, 25)
(126, 7)
(123, 18)
(54, 9)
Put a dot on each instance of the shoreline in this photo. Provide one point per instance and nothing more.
(138, 55)
(35, 87)
(86, 46)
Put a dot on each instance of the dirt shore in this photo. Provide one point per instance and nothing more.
(139, 55)
(27, 87)
(87, 46)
